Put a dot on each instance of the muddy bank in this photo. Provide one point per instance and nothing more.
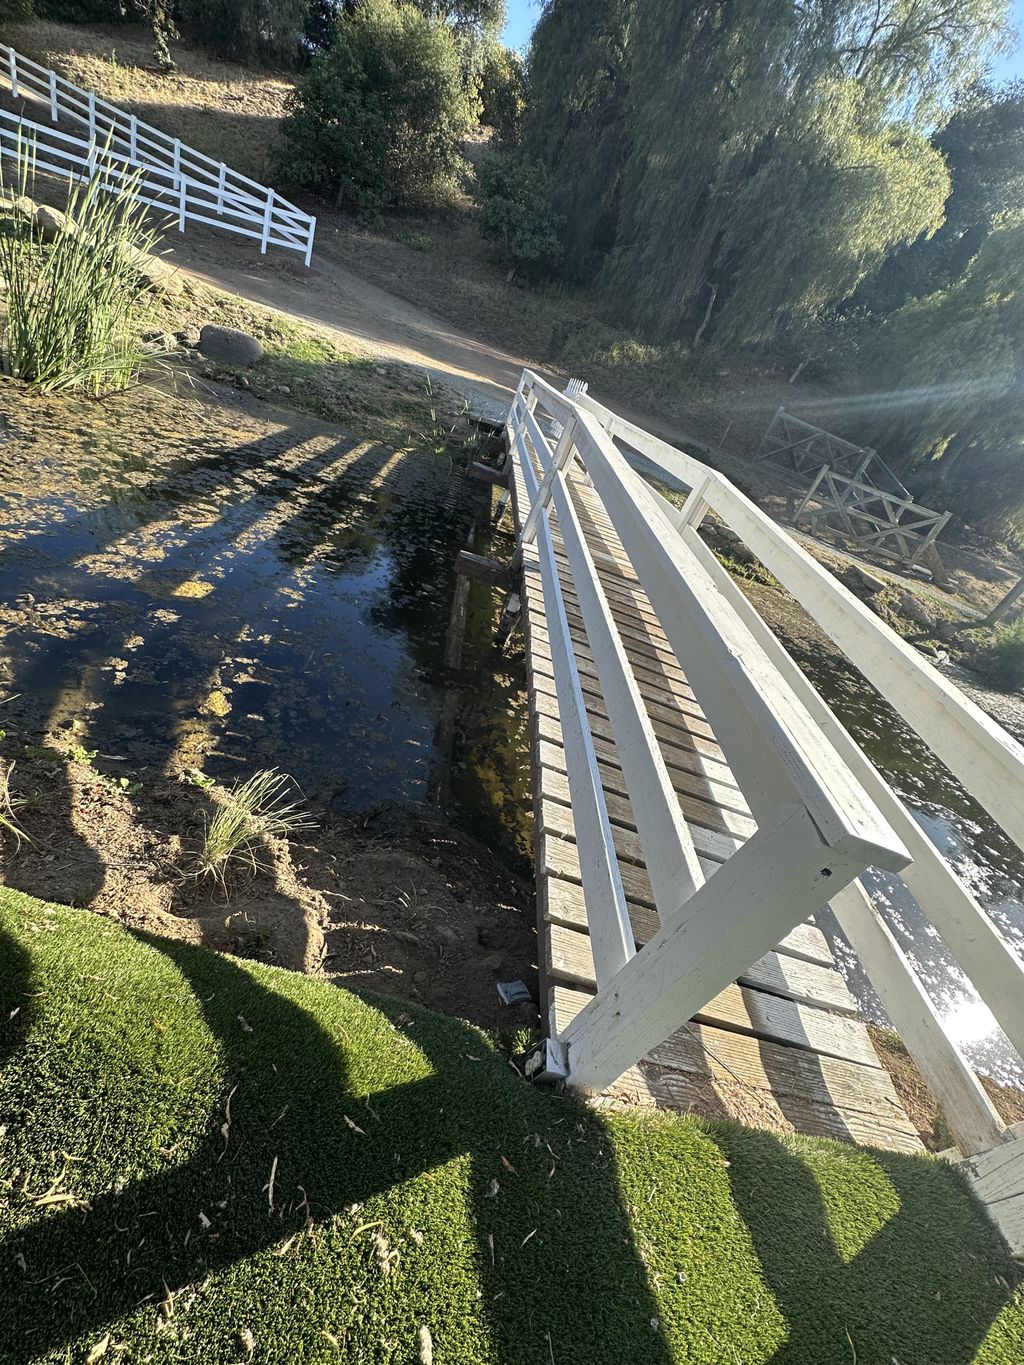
(217, 587)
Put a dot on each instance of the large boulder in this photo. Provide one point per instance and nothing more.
(228, 346)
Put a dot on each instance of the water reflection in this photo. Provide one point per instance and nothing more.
(243, 589)
(986, 860)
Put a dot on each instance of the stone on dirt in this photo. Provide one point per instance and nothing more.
(861, 581)
(51, 223)
(914, 610)
(229, 346)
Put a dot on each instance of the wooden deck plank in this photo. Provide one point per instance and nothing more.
(565, 905)
(761, 1084)
(789, 978)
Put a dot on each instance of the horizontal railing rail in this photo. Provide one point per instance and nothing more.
(193, 186)
(817, 829)
(988, 762)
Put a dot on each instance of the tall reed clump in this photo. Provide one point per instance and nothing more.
(72, 306)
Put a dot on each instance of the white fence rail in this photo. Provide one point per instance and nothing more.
(187, 184)
(817, 828)
(818, 800)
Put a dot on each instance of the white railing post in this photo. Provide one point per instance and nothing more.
(562, 455)
(53, 96)
(267, 220)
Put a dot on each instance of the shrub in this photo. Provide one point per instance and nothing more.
(379, 119)
(1000, 663)
(72, 308)
(503, 93)
(517, 212)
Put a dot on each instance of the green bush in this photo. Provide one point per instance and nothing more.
(517, 212)
(1000, 663)
(503, 93)
(379, 120)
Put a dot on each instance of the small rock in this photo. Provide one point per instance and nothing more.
(51, 223)
(188, 336)
(915, 610)
(229, 346)
(861, 581)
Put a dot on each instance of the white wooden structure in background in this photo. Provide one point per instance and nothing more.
(697, 796)
(164, 172)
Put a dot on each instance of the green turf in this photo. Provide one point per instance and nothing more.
(418, 1181)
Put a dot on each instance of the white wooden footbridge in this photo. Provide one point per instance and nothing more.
(697, 801)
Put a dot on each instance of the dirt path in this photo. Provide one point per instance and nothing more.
(361, 316)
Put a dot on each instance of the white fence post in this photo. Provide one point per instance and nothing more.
(133, 138)
(92, 117)
(309, 245)
(221, 181)
(12, 60)
(53, 96)
(267, 220)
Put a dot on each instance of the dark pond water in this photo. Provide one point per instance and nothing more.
(251, 591)
(987, 861)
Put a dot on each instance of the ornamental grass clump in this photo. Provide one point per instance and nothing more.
(73, 304)
(251, 811)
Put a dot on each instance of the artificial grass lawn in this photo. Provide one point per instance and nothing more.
(203, 1159)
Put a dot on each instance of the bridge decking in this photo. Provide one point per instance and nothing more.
(782, 1047)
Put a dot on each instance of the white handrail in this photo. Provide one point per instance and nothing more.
(233, 201)
(658, 536)
(816, 826)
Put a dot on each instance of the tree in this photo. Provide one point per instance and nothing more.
(503, 93)
(983, 147)
(379, 119)
(517, 211)
(268, 31)
(758, 156)
(946, 384)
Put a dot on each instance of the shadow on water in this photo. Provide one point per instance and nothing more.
(275, 601)
(322, 1167)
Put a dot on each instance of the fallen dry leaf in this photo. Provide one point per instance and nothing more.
(426, 1345)
(98, 1351)
(354, 1126)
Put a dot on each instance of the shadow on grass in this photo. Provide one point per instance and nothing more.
(886, 1272)
(293, 1103)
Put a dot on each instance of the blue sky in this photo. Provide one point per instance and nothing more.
(1013, 63)
(522, 15)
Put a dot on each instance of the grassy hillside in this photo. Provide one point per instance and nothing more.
(208, 1159)
(230, 112)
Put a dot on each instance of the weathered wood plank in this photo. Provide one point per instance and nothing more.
(761, 1084)
(566, 905)
(790, 978)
